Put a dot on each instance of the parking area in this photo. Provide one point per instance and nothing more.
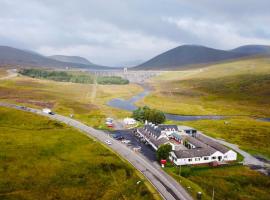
(129, 138)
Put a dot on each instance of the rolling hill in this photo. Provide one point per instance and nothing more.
(71, 59)
(252, 49)
(186, 55)
(13, 56)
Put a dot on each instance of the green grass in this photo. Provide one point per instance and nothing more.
(86, 101)
(234, 88)
(229, 182)
(44, 159)
(111, 80)
(240, 89)
(3, 72)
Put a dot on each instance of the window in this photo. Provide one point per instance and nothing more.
(190, 159)
(197, 159)
(214, 157)
(225, 157)
(206, 158)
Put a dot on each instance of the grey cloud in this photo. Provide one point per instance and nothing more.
(117, 31)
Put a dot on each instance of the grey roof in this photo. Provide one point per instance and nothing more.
(195, 142)
(185, 128)
(176, 135)
(156, 142)
(160, 142)
(212, 143)
(168, 126)
(156, 130)
(192, 153)
(153, 129)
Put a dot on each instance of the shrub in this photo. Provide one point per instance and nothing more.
(163, 152)
(112, 80)
(152, 115)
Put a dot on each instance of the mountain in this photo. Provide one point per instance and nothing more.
(13, 56)
(71, 59)
(187, 55)
(253, 50)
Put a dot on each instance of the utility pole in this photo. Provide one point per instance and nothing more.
(213, 194)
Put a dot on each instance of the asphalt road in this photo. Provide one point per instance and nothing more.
(168, 188)
(11, 73)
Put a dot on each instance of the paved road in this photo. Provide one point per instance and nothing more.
(11, 73)
(165, 185)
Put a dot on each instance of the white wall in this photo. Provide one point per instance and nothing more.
(230, 155)
(196, 160)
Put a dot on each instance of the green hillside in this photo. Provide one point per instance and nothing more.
(234, 88)
(44, 159)
(239, 89)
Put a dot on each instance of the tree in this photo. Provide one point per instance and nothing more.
(163, 152)
(152, 115)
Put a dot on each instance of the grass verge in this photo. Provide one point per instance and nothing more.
(44, 159)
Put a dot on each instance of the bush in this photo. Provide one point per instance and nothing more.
(112, 80)
(151, 115)
(63, 76)
(163, 152)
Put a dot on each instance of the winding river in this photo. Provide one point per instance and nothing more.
(129, 105)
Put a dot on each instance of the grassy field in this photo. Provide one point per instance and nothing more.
(234, 88)
(44, 159)
(229, 183)
(240, 88)
(3, 72)
(86, 101)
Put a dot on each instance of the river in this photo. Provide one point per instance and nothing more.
(129, 105)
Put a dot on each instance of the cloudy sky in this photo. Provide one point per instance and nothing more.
(125, 32)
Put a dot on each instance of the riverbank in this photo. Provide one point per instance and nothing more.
(225, 129)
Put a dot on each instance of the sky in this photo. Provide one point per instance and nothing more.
(128, 32)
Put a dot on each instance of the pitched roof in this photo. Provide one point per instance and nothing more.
(176, 135)
(195, 142)
(192, 153)
(168, 126)
(185, 128)
(156, 142)
(153, 129)
(160, 142)
(212, 143)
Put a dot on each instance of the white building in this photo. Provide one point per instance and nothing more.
(129, 121)
(195, 156)
(188, 146)
(201, 150)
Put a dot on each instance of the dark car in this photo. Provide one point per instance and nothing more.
(120, 138)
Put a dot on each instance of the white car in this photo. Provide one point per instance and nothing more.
(125, 141)
(108, 142)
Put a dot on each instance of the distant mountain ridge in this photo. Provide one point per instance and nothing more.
(186, 55)
(14, 56)
(71, 59)
(252, 49)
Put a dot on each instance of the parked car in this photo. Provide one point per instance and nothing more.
(125, 141)
(108, 142)
(137, 148)
(120, 138)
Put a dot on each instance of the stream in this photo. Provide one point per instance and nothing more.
(129, 105)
